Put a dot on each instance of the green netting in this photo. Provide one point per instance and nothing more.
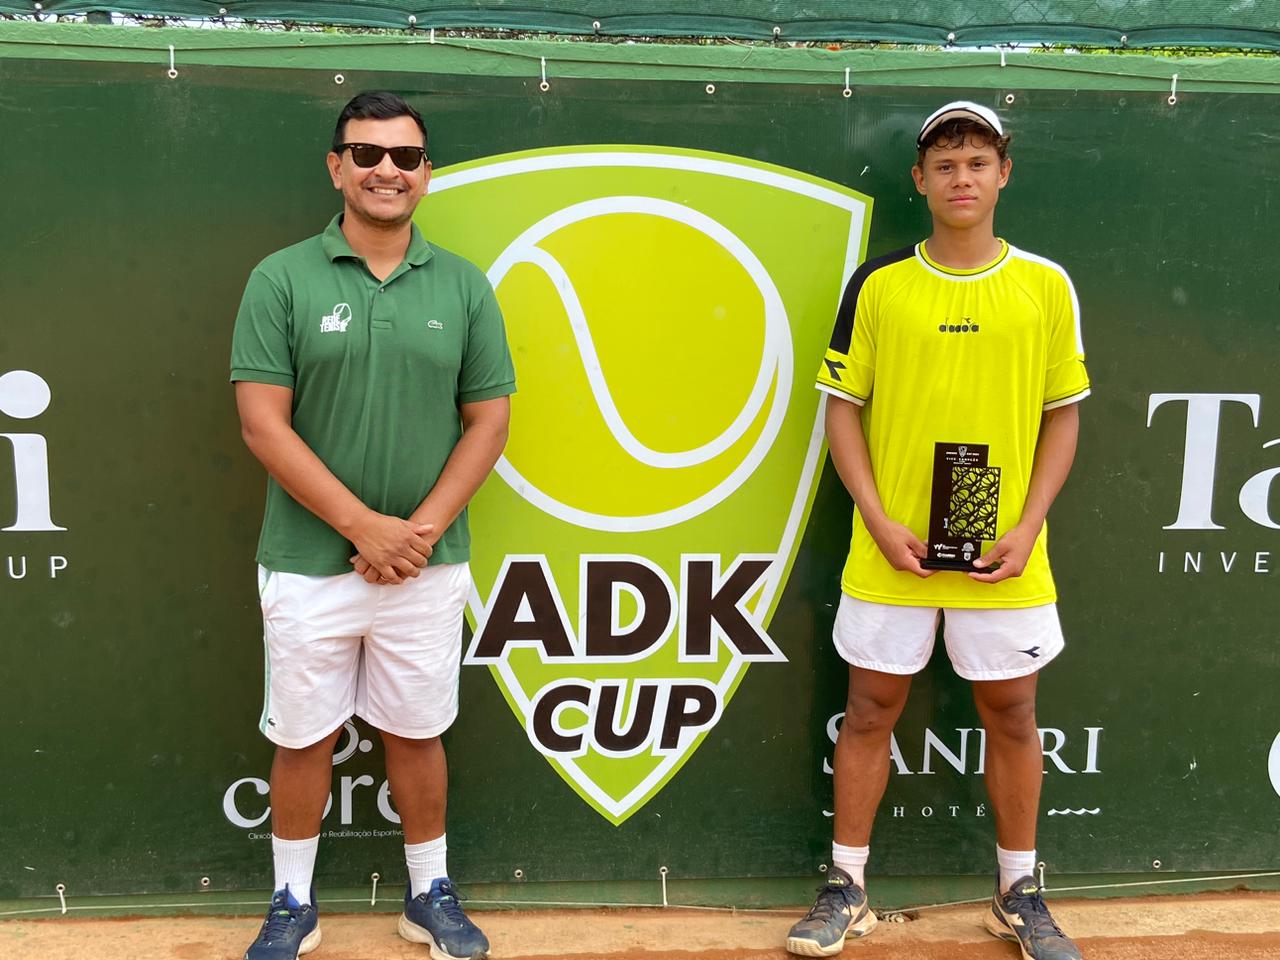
(1133, 23)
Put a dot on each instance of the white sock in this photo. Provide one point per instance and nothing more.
(1014, 865)
(295, 860)
(852, 860)
(426, 862)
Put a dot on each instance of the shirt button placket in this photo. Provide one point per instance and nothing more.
(375, 304)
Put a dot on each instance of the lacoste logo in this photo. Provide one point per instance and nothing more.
(337, 321)
(435, 324)
(1032, 652)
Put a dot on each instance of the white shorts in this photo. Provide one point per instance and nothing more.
(986, 644)
(339, 646)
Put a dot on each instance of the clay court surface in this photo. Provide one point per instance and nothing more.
(1239, 926)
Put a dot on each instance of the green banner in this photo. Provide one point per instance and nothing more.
(650, 677)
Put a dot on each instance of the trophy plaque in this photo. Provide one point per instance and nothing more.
(963, 506)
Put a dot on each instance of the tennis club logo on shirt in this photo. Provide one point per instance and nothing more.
(667, 310)
(337, 321)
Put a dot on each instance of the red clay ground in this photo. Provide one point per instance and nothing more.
(1219, 926)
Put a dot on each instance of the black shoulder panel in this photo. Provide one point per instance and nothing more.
(842, 335)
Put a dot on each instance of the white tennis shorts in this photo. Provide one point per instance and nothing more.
(987, 644)
(339, 646)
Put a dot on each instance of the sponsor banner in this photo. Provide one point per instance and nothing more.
(657, 557)
(665, 308)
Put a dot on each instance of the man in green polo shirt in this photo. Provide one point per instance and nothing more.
(372, 377)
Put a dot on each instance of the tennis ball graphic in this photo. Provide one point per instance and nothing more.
(655, 359)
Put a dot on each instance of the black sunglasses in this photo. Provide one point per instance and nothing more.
(370, 155)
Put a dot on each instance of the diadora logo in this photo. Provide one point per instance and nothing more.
(966, 325)
(667, 308)
(337, 321)
(24, 396)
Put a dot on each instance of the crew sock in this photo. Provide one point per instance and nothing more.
(1014, 865)
(295, 861)
(852, 860)
(426, 862)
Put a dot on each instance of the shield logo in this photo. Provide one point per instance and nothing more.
(667, 310)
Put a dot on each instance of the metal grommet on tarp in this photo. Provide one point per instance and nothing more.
(711, 88)
(339, 79)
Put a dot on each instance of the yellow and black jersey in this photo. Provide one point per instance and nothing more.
(939, 355)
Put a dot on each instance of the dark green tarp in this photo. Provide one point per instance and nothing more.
(1112, 23)
(129, 637)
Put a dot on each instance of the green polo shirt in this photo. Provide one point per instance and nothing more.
(379, 370)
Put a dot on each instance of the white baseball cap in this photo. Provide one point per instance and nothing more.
(960, 108)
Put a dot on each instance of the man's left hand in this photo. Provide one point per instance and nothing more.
(1011, 552)
(370, 572)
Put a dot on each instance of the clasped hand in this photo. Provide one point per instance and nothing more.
(390, 550)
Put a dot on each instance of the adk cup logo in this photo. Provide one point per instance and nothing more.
(666, 310)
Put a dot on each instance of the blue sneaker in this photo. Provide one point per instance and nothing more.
(1021, 917)
(436, 919)
(291, 929)
(840, 911)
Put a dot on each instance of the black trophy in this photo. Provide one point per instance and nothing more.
(963, 506)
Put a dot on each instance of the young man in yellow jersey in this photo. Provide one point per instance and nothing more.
(951, 492)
